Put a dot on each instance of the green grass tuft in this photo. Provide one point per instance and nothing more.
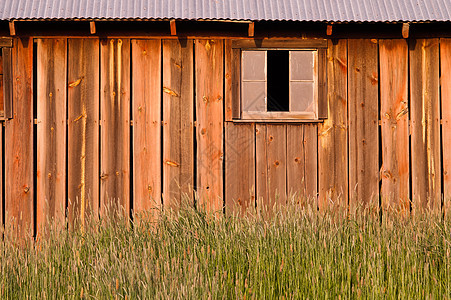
(298, 253)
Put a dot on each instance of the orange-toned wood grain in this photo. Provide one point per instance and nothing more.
(7, 82)
(83, 91)
(445, 66)
(19, 187)
(2, 103)
(51, 132)
(262, 198)
(2, 166)
(115, 121)
(228, 95)
(178, 122)
(310, 142)
(239, 168)
(363, 114)
(146, 87)
(425, 124)
(296, 162)
(2, 109)
(276, 139)
(209, 111)
(395, 124)
(333, 132)
(302, 162)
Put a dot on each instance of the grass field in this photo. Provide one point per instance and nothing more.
(299, 253)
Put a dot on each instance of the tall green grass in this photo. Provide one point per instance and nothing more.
(297, 253)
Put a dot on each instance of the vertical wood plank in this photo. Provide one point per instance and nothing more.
(146, 82)
(425, 124)
(19, 154)
(363, 122)
(115, 120)
(83, 129)
(310, 142)
(295, 162)
(322, 84)
(228, 57)
(51, 132)
(235, 92)
(263, 201)
(333, 132)
(178, 122)
(209, 112)
(2, 166)
(7, 81)
(445, 65)
(395, 124)
(239, 168)
(276, 138)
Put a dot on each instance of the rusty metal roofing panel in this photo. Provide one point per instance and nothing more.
(297, 10)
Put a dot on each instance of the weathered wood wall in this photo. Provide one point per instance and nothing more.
(142, 124)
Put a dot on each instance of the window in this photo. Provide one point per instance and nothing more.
(5, 78)
(280, 82)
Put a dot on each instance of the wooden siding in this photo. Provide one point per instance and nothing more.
(363, 123)
(146, 114)
(209, 130)
(333, 132)
(445, 66)
(142, 124)
(178, 122)
(83, 129)
(51, 131)
(394, 114)
(425, 124)
(19, 152)
(115, 121)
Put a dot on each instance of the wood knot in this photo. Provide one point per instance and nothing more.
(357, 70)
(271, 138)
(117, 173)
(149, 188)
(203, 131)
(276, 163)
(297, 160)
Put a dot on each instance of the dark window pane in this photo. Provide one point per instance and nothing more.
(278, 88)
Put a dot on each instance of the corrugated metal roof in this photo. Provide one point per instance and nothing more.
(297, 10)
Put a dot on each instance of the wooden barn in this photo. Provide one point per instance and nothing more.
(233, 104)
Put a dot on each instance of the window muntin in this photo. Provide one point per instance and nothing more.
(298, 84)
